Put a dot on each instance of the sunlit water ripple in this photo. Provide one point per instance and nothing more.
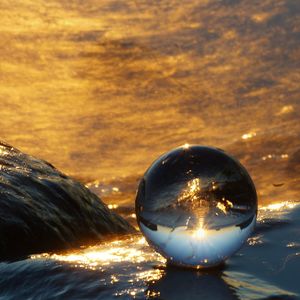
(102, 88)
(129, 269)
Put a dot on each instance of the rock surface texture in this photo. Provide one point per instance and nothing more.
(41, 209)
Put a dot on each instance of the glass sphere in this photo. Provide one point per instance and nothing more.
(196, 206)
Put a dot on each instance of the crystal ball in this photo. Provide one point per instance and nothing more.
(196, 206)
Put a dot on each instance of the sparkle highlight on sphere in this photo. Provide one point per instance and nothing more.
(200, 233)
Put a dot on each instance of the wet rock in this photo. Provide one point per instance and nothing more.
(41, 209)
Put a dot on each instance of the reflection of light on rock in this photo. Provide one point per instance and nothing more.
(3, 152)
(249, 135)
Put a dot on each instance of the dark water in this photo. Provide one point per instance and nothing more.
(100, 88)
(267, 266)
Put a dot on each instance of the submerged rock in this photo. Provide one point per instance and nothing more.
(41, 209)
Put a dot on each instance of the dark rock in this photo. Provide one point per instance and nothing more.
(42, 209)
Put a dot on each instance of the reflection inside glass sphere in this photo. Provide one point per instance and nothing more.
(196, 206)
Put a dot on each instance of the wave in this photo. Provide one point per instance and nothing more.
(128, 268)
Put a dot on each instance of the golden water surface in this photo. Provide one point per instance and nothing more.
(100, 88)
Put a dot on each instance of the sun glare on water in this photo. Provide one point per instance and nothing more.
(130, 256)
(130, 250)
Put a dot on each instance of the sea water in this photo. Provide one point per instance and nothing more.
(102, 88)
